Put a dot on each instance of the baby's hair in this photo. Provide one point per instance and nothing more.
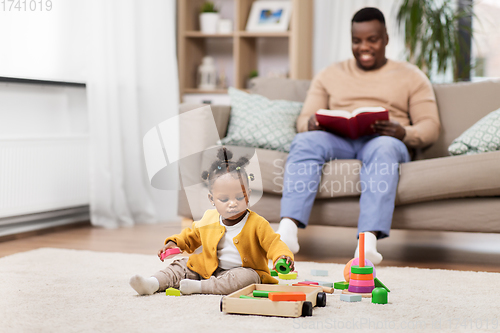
(224, 165)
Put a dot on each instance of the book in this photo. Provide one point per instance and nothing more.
(351, 124)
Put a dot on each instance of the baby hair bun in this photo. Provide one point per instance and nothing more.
(224, 154)
(204, 175)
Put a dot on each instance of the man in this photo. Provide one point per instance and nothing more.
(370, 79)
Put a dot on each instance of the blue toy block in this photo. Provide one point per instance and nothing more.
(319, 272)
(350, 298)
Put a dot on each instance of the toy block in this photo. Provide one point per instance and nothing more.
(287, 296)
(289, 276)
(274, 273)
(379, 283)
(250, 297)
(350, 298)
(361, 276)
(282, 267)
(362, 270)
(361, 283)
(172, 292)
(319, 272)
(379, 295)
(169, 252)
(341, 285)
(323, 283)
(308, 282)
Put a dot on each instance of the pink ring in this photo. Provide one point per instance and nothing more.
(361, 283)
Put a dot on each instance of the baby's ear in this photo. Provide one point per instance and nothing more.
(211, 198)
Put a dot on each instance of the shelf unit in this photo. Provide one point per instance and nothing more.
(192, 44)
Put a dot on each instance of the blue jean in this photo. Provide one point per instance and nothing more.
(379, 175)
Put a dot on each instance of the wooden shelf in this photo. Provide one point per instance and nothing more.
(192, 43)
(200, 91)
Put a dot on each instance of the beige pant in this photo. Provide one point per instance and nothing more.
(222, 282)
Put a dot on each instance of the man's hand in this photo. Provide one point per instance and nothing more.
(169, 245)
(289, 262)
(389, 128)
(313, 125)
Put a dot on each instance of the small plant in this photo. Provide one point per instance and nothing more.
(209, 7)
(253, 73)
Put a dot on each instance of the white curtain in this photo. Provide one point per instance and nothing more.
(132, 86)
(332, 30)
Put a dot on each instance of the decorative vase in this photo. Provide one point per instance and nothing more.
(207, 75)
(208, 22)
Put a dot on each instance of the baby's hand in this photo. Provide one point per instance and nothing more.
(289, 262)
(169, 245)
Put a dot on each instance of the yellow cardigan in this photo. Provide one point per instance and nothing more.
(257, 242)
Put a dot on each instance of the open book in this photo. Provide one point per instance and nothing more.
(351, 124)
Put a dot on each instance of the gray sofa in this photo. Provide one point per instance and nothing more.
(435, 191)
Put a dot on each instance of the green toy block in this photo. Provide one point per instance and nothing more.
(249, 297)
(263, 293)
(274, 273)
(289, 276)
(172, 292)
(379, 283)
(350, 298)
(362, 270)
(379, 295)
(341, 285)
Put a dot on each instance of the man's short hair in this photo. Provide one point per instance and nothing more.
(368, 14)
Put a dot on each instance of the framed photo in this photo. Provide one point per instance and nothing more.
(269, 16)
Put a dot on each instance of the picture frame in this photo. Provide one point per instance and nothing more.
(269, 16)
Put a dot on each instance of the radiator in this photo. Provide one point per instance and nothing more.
(43, 174)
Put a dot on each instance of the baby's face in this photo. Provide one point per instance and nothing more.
(230, 196)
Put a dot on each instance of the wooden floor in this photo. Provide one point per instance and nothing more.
(459, 251)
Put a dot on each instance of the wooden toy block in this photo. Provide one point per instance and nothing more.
(361, 283)
(361, 270)
(323, 283)
(274, 273)
(350, 298)
(319, 272)
(379, 283)
(325, 289)
(309, 282)
(172, 292)
(341, 285)
(361, 249)
(282, 267)
(289, 276)
(261, 293)
(361, 276)
(263, 306)
(250, 297)
(287, 296)
(169, 252)
(379, 296)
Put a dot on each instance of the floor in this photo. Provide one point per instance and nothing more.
(459, 251)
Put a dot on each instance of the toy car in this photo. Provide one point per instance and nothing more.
(232, 303)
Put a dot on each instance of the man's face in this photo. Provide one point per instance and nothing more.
(369, 40)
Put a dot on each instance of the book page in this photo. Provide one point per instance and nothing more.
(335, 113)
(368, 109)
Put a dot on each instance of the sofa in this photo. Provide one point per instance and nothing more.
(435, 191)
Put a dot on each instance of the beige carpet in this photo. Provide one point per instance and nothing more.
(54, 290)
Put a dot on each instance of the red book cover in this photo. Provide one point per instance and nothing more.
(351, 124)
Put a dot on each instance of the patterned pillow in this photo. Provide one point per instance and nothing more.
(483, 136)
(261, 123)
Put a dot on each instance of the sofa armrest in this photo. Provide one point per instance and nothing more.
(200, 126)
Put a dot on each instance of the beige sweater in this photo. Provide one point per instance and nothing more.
(398, 86)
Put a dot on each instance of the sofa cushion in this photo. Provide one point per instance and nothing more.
(482, 137)
(259, 122)
(449, 177)
(460, 105)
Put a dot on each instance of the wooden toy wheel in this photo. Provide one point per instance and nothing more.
(321, 299)
(307, 309)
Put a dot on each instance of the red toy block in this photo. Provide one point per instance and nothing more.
(170, 252)
(308, 283)
(287, 296)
